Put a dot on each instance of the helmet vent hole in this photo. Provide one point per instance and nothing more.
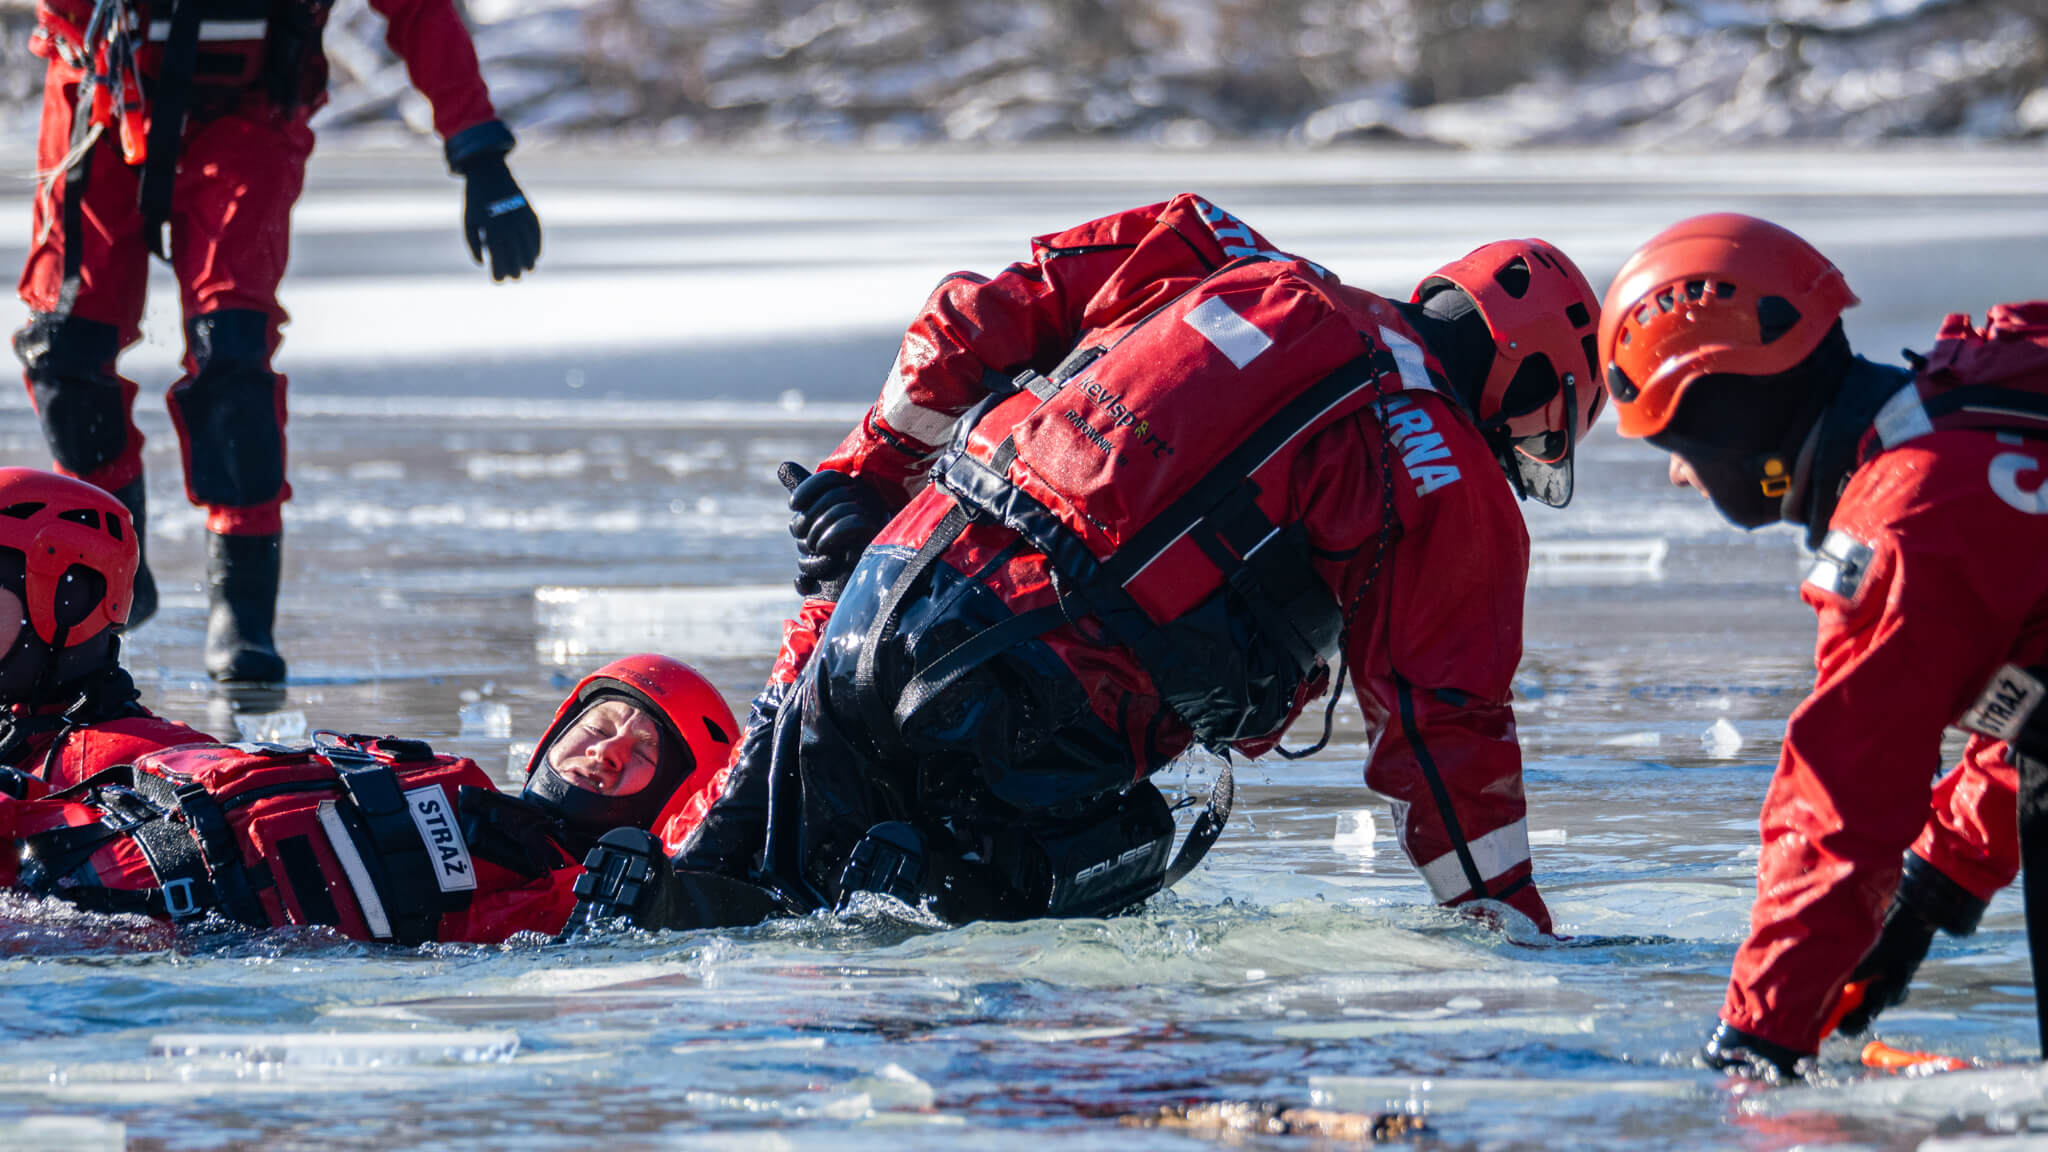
(1576, 313)
(1695, 289)
(717, 734)
(1775, 316)
(1624, 389)
(1513, 277)
(114, 527)
(23, 510)
(86, 516)
(1666, 300)
(1591, 346)
(1724, 291)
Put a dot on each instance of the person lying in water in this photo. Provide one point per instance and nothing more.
(116, 809)
(380, 838)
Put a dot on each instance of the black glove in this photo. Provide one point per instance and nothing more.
(627, 876)
(835, 516)
(495, 215)
(1926, 900)
(1730, 1049)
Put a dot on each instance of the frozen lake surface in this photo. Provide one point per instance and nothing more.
(499, 487)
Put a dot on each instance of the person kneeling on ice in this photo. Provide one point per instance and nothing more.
(1920, 489)
(380, 838)
(1175, 474)
(68, 557)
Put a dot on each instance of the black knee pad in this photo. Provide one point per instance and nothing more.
(227, 412)
(69, 365)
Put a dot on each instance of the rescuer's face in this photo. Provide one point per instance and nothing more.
(612, 749)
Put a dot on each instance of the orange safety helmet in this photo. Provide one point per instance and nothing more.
(1720, 294)
(692, 715)
(57, 524)
(1542, 314)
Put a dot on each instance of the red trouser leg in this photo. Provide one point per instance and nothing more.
(83, 283)
(238, 177)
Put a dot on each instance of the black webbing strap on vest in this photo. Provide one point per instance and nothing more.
(137, 806)
(1989, 404)
(875, 710)
(219, 849)
(399, 863)
(169, 95)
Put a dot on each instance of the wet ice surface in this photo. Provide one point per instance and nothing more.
(472, 530)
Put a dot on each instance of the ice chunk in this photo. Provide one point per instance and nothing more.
(340, 1049)
(1633, 740)
(64, 1134)
(271, 727)
(485, 719)
(1721, 741)
(1597, 561)
(892, 1086)
(1355, 833)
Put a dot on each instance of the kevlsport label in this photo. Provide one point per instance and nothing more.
(435, 817)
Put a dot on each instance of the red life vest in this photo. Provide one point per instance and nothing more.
(1993, 377)
(360, 834)
(1153, 471)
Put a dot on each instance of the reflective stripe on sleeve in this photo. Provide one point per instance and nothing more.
(1494, 854)
(1408, 358)
(924, 425)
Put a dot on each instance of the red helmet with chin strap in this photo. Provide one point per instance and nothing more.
(1722, 294)
(692, 715)
(1542, 389)
(58, 524)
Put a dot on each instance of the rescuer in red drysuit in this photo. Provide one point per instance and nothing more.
(1722, 344)
(1013, 783)
(379, 838)
(67, 569)
(191, 117)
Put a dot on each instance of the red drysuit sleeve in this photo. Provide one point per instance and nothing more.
(1434, 648)
(1900, 655)
(440, 58)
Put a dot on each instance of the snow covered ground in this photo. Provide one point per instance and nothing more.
(499, 486)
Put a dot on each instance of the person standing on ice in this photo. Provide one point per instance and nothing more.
(1174, 475)
(180, 128)
(1920, 490)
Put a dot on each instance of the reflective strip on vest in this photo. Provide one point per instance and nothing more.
(358, 872)
(214, 30)
(1493, 854)
(1902, 418)
(1408, 358)
(1230, 334)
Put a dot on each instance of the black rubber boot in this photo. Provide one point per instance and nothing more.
(135, 497)
(242, 575)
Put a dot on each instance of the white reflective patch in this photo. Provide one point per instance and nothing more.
(1493, 854)
(214, 30)
(435, 818)
(358, 873)
(1408, 358)
(1233, 335)
(1902, 418)
(2006, 470)
(2008, 702)
(1840, 565)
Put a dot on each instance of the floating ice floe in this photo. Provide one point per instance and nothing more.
(1355, 835)
(1597, 561)
(340, 1049)
(707, 623)
(271, 727)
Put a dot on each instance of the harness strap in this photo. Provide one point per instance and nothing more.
(1202, 835)
(1994, 405)
(217, 847)
(970, 654)
(888, 616)
(399, 864)
(167, 122)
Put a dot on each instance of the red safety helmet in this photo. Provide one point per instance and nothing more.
(694, 719)
(1543, 389)
(58, 524)
(1723, 294)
